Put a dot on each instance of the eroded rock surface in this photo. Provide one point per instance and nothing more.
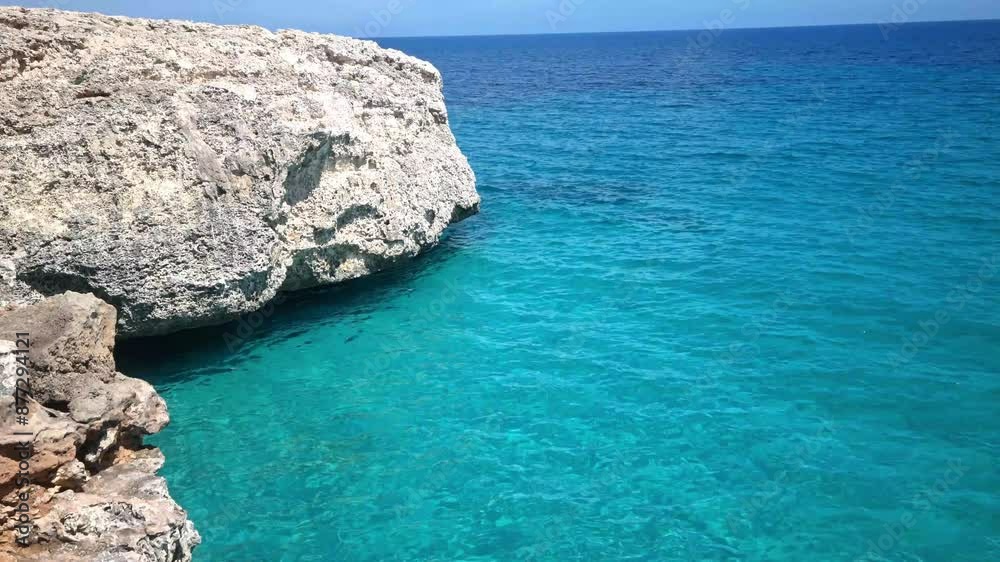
(94, 493)
(186, 173)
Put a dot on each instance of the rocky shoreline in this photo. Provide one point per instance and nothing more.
(164, 175)
(93, 491)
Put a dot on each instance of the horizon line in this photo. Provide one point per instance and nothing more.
(545, 34)
(677, 30)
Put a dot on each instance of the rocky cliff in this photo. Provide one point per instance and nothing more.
(90, 490)
(186, 173)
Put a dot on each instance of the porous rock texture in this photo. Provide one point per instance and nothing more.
(94, 493)
(187, 172)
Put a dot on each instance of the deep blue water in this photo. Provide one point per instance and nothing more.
(732, 303)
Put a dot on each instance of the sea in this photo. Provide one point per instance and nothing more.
(733, 295)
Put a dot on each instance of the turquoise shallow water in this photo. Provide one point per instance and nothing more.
(738, 303)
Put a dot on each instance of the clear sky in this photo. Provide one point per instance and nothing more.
(385, 18)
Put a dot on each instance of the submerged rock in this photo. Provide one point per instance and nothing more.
(186, 173)
(94, 493)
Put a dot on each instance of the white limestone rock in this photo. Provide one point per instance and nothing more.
(186, 173)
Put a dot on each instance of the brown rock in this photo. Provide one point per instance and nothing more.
(94, 493)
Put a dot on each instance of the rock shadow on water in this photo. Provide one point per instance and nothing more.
(221, 349)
